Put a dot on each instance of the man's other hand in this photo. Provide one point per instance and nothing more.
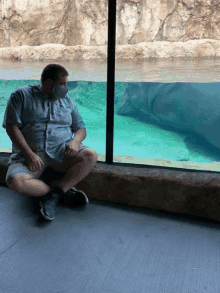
(72, 148)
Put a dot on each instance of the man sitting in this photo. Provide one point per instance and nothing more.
(40, 121)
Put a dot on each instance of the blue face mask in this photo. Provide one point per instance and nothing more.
(60, 91)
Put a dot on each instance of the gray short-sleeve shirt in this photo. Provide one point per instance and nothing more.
(47, 124)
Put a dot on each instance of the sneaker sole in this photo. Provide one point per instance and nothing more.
(84, 196)
(42, 213)
(80, 191)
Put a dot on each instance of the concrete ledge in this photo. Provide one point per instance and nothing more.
(185, 192)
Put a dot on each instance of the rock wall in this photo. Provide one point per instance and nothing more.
(84, 22)
(154, 50)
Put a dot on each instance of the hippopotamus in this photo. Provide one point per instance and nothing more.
(184, 106)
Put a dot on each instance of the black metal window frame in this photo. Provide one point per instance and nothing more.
(111, 93)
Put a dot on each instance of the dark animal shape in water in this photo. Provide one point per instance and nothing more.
(190, 107)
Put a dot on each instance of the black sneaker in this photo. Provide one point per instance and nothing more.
(75, 197)
(49, 205)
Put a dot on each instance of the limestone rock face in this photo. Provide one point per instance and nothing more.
(153, 50)
(84, 22)
(71, 22)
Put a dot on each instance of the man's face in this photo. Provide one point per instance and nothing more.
(62, 81)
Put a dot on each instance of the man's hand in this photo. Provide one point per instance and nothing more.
(33, 162)
(72, 148)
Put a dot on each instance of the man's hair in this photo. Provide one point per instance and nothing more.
(54, 72)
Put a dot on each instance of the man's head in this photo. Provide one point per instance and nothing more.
(52, 76)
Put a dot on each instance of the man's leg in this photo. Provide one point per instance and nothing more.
(28, 186)
(77, 171)
(20, 179)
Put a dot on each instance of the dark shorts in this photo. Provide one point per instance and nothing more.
(20, 167)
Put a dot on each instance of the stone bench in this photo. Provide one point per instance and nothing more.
(185, 192)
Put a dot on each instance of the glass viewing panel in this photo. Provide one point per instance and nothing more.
(154, 122)
(87, 87)
(166, 111)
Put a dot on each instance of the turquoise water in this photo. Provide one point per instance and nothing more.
(132, 136)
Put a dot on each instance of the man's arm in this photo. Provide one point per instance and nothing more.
(80, 135)
(18, 139)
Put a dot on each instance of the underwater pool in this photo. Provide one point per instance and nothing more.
(135, 141)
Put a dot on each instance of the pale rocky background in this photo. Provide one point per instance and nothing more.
(77, 29)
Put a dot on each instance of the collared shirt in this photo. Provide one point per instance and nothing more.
(47, 124)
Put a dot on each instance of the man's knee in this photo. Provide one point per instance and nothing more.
(16, 182)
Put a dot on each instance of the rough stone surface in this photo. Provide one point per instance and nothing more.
(144, 29)
(155, 50)
(75, 22)
(184, 192)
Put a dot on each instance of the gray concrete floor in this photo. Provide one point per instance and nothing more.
(105, 248)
